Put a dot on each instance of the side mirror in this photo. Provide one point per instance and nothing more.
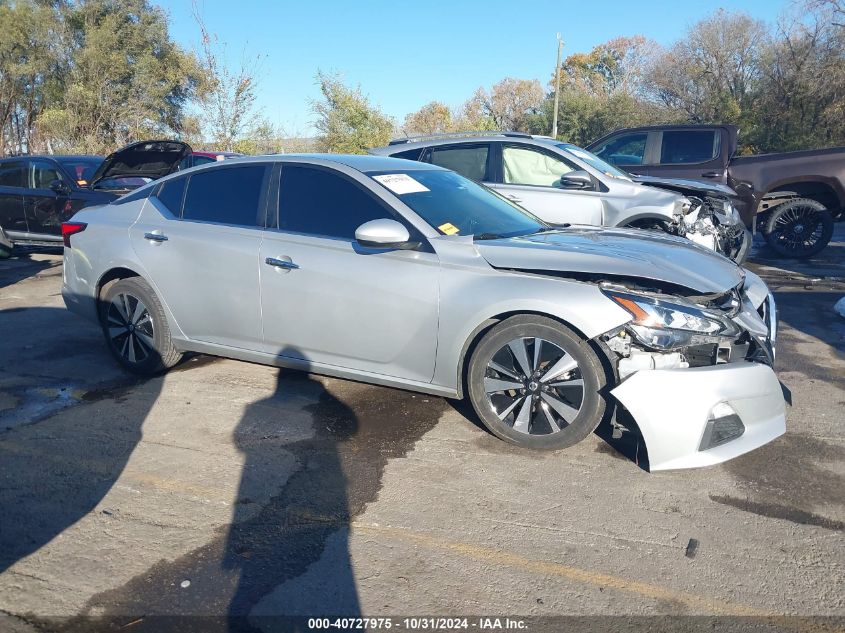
(59, 186)
(578, 179)
(384, 233)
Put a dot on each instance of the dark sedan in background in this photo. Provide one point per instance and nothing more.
(38, 193)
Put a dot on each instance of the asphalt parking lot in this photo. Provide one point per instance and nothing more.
(231, 488)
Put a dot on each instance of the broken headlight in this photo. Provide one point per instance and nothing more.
(666, 325)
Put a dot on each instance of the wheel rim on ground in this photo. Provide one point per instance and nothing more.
(534, 386)
(130, 328)
(798, 229)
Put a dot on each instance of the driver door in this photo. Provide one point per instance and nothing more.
(327, 300)
(530, 177)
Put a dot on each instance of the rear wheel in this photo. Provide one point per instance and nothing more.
(536, 383)
(799, 228)
(136, 329)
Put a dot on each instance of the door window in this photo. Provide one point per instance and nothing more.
(469, 162)
(171, 193)
(689, 146)
(42, 173)
(626, 149)
(525, 166)
(411, 154)
(11, 174)
(319, 202)
(227, 196)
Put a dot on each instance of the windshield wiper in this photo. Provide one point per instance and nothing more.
(487, 236)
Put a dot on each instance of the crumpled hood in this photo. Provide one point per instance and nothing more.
(617, 253)
(692, 187)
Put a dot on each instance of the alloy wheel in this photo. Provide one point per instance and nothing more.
(534, 385)
(130, 328)
(798, 229)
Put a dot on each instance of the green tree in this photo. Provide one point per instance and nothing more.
(127, 79)
(346, 121)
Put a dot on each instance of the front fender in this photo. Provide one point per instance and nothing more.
(474, 299)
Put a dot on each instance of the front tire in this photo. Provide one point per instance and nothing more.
(135, 327)
(798, 228)
(536, 383)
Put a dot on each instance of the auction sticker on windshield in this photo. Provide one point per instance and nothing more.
(401, 183)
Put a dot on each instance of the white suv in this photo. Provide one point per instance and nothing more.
(565, 184)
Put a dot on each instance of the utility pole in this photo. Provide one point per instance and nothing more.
(557, 85)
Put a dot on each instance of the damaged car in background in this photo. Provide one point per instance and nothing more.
(565, 184)
(408, 275)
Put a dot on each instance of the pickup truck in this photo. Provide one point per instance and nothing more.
(792, 197)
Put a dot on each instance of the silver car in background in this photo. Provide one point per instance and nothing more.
(565, 184)
(405, 274)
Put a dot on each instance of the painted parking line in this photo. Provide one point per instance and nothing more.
(695, 602)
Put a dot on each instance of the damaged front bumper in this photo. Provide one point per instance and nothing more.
(696, 409)
(716, 225)
(679, 411)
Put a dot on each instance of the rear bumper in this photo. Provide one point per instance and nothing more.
(671, 408)
(75, 292)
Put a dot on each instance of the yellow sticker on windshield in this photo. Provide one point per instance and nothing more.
(449, 228)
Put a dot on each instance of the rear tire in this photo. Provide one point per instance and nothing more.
(135, 327)
(546, 399)
(799, 228)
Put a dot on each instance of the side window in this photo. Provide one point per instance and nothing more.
(42, 173)
(470, 162)
(411, 154)
(319, 202)
(228, 196)
(689, 146)
(11, 174)
(170, 194)
(627, 149)
(526, 166)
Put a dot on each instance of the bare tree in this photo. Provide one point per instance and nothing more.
(508, 104)
(229, 100)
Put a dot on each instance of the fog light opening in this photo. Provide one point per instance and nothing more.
(723, 425)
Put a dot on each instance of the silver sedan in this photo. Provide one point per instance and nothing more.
(405, 274)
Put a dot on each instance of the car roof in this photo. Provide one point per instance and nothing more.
(402, 145)
(364, 163)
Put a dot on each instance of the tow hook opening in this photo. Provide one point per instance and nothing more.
(723, 425)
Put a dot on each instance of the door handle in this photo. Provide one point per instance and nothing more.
(155, 236)
(712, 174)
(514, 198)
(285, 264)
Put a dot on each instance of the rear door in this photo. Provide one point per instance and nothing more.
(530, 176)
(12, 179)
(198, 237)
(697, 154)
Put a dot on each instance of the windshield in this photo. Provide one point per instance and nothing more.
(455, 205)
(594, 161)
(81, 168)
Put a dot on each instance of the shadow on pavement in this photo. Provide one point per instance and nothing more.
(17, 269)
(314, 453)
(56, 472)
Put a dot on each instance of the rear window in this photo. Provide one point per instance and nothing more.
(171, 193)
(227, 196)
(689, 146)
(411, 154)
(469, 162)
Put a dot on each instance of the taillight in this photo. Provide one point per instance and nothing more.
(71, 228)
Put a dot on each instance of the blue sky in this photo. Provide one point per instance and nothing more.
(405, 54)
